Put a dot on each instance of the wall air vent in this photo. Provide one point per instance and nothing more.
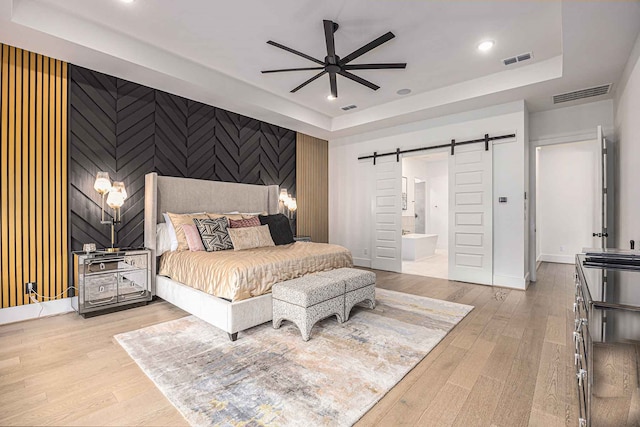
(349, 107)
(582, 93)
(518, 58)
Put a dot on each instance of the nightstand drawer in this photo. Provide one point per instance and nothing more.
(102, 265)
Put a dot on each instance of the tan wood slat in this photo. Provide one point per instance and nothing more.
(52, 178)
(24, 188)
(44, 285)
(59, 248)
(4, 190)
(33, 254)
(39, 261)
(64, 173)
(11, 178)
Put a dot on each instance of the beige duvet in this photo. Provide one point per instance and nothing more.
(238, 275)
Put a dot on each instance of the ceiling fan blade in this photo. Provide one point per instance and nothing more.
(366, 48)
(360, 80)
(397, 65)
(328, 37)
(295, 52)
(292, 69)
(320, 74)
(333, 84)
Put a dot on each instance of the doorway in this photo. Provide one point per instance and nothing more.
(567, 199)
(425, 215)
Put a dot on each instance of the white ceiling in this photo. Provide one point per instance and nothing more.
(214, 51)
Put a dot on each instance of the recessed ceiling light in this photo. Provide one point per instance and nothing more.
(486, 45)
(404, 92)
(331, 97)
(126, 1)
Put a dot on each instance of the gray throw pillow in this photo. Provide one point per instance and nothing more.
(214, 233)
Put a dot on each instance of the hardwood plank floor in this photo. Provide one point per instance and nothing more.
(508, 363)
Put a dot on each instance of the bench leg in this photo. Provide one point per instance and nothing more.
(233, 337)
(362, 295)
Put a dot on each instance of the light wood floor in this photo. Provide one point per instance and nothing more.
(508, 363)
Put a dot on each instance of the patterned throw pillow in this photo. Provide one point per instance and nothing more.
(243, 223)
(193, 237)
(214, 234)
(250, 237)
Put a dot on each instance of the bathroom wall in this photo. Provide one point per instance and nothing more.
(412, 168)
(437, 178)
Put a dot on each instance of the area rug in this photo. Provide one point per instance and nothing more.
(272, 377)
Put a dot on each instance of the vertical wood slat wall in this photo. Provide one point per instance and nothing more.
(33, 176)
(312, 187)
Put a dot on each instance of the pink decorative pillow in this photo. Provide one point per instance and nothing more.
(193, 237)
(244, 223)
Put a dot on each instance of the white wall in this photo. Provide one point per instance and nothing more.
(627, 115)
(566, 199)
(351, 180)
(412, 168)
(437, 173)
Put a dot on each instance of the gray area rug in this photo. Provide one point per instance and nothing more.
(272, 378)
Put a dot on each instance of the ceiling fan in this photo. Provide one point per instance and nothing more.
(334, 65)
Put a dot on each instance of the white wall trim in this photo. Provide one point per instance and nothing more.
(562, 259)
(572, 137)
(32, 311)
(362, 262)
(511, 281)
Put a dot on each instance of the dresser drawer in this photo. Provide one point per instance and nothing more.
(102, 265)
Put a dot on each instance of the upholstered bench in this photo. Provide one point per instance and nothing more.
(360, 286)
(306, 300)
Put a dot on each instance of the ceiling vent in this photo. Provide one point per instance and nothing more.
(518, 58)
(349, 107)
(582, 93)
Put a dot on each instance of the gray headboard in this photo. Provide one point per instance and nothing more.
(185, 195)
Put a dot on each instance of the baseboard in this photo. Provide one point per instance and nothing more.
(362, 262)
(34, 311)
(511, 281)
(562, 259)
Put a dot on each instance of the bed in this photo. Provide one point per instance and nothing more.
(242, 279)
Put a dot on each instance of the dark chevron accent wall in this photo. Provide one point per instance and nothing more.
(130, 130)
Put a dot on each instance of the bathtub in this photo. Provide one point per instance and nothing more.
(417, 246)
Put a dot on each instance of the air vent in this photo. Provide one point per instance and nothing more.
(349, 107)
(582, 93)
(518, 58)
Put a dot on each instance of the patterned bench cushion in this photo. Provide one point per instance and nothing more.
(353, 278)
(308, 290)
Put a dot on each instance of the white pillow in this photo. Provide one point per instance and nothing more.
(163, 240)
(172, 233)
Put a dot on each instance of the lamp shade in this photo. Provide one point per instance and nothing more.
(103, 183)
(115, 199)
(119, 186)
(284, 195)
(293, 205)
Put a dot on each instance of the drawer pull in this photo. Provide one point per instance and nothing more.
(102, 266)
(575, 307)
(577, 357)
(582, 374)
(579, 299)
(579, 322)
(582, 422)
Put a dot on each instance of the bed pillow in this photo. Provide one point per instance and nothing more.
(214, 233)
(172, 232)
(243, 223)
(235, 216)
(250, 237)
(163, 240)
(279, 228)
(181, 219)
(193, 237)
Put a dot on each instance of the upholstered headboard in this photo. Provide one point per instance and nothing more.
(186, 195)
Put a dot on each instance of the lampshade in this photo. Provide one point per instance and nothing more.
(284, 195)
(293, 205)
(119, 186)
(115, 199)
(103, 183)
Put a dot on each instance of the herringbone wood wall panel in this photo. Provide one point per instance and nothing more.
(130, 130)
(33, 178)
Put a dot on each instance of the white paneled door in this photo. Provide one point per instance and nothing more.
(471, 214)
(387, 229)
(600, 232)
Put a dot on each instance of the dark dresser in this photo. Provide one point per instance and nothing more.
(607, 338)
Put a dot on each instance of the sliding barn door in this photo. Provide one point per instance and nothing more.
(387, 230)
(600, 230)
(471, 214)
